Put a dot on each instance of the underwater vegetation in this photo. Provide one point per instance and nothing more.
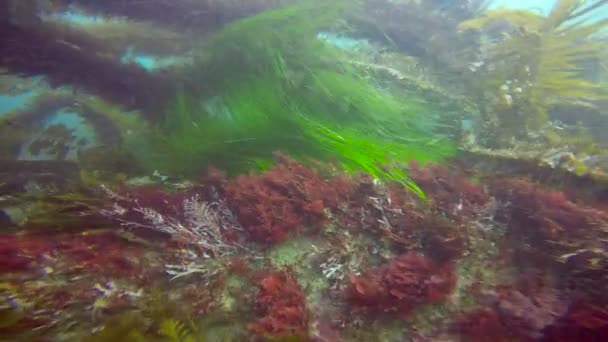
(47, 122)
(302, 171)
(282, 305)
(188, 15)
(426, 30)
(553, 223)
(403, 284)
(537, 62)
(273, 86)
(284, 199)
(35, 47)
(377, 253)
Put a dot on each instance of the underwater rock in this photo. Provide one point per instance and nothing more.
(481, 325)
(528, 317)
(585, 114)
(442, 241)
(508, 163)
(5, 220)
(20, 176)
(190, 15)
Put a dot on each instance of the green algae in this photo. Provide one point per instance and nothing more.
(291, 252)
(276, 86)
(233, 286)
(299, 255)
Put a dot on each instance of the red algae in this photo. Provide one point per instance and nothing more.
(366, 220)
(549, 223)
(584, 322)
(547, 214)
(99, 252)
(281, 201)
(19, 253)
(481, 325)
(450, 191)
(512, 313)
(402, 285)
(281, 302)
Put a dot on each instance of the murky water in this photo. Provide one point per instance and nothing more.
(283, 170)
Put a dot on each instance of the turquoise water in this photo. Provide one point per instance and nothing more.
(79, 18)
(150, 62)
(83, 136)
(541, 6)
(10, 103)
(130, 56)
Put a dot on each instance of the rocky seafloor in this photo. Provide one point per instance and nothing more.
(306, 254)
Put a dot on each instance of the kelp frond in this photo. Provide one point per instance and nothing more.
(547, 54)
(555, 45)
(515, 17)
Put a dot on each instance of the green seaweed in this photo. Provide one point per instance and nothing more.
(177, 331)
(123, 327)
(275, 86)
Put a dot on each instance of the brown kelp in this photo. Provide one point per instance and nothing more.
(43, 50)
(539, 60)
(423, 29)
(191, 15)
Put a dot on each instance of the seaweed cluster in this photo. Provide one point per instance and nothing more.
(402, 285)
(539, 63)
(273, 85)
(283, 200)
(334, 206)
(282, 306)
(367, 254)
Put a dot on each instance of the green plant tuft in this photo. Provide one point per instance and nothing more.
(266, 83)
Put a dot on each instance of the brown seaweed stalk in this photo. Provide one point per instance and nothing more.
(67, 57)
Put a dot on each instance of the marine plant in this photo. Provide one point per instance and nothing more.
(281, 302)
(551, 226)
(283, 200)
(100, 252)
(537, 60)
(402, 285)
(43, 48)
(176, 331)
(583, 322)
(188, 219)
(452, 193)
(267, 83)
(190, 15)
(425, 30)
